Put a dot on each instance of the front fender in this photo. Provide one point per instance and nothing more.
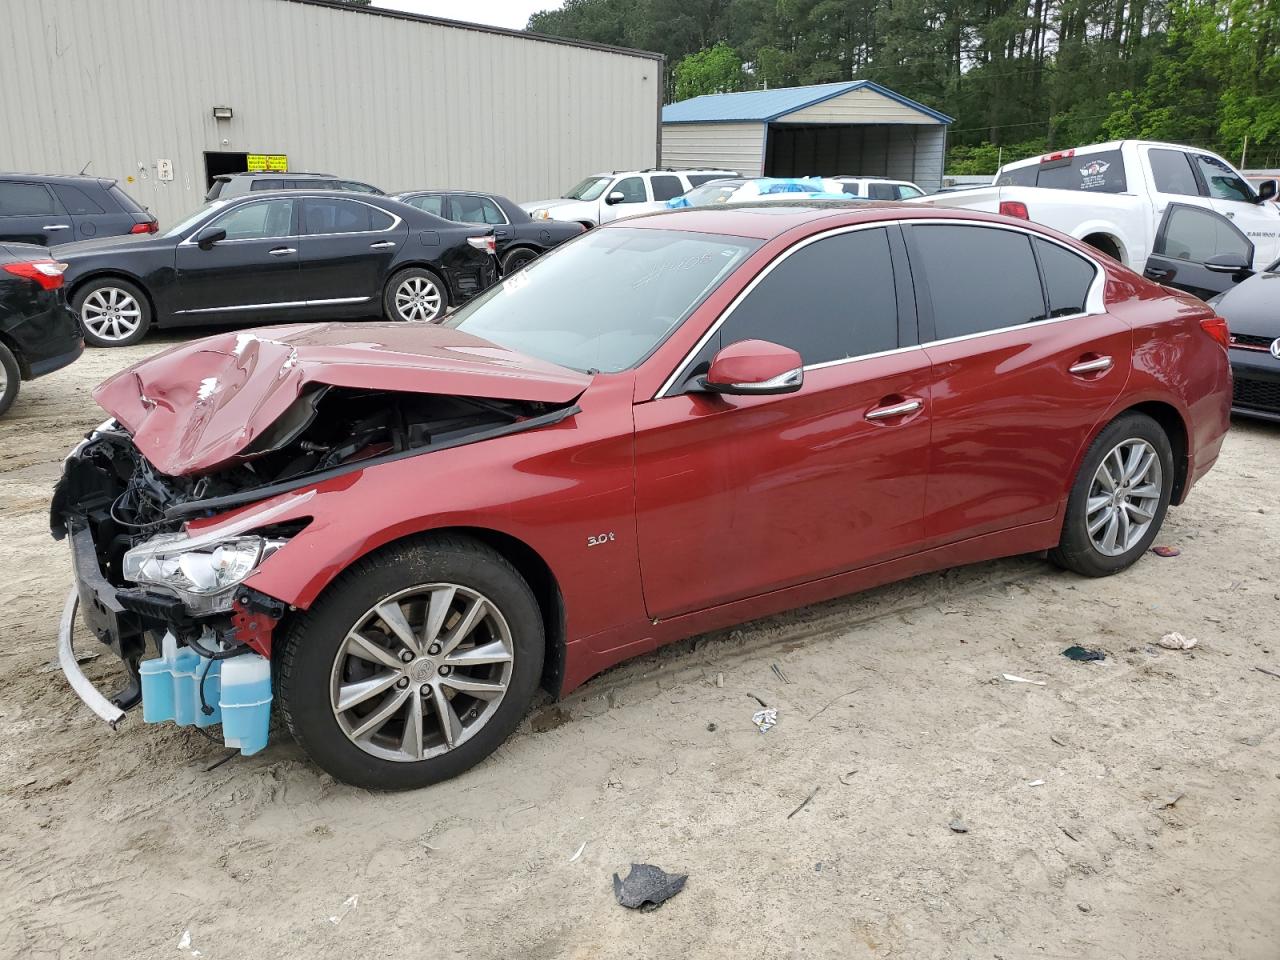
(553, 489)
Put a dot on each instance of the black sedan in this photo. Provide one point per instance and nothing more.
(38, 334)
(277, 256)
(1252, 309)
(520, 238)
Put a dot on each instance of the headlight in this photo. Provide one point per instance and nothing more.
(204, 575)
(542, 213)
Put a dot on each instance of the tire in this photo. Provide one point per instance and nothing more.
(317, 665)
(94, 304)
(12, 379)
(415, 295)
(518, 259)
(1139, 494)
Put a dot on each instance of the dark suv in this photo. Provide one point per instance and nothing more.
(229, 185)
(48, 210)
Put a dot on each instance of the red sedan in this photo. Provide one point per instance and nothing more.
(669, 425)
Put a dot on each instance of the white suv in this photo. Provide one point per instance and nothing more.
(873, 188)
(602, 197)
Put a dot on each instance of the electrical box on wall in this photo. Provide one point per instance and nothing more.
(164, 169)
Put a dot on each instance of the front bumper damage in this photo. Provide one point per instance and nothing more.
(82, 685)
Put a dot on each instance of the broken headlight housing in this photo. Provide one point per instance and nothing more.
(203, 573)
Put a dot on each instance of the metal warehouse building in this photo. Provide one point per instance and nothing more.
(162, 94)
(857, 128)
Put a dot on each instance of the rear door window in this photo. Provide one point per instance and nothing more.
(77, 202)
(332, 215)
(1068, 277)
(977, 278)
(18, 199)
(882, 191)
(665, 187)
(830, 300)
(474, 209)
(1171, 171)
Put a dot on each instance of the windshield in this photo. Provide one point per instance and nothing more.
(606, 300)
(589, 189)
(717, 191)
(188, 222)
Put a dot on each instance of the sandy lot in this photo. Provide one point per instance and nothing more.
(115, 845)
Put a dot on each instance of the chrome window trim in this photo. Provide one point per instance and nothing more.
(1094, 303)
(232, 205)
(281, 305)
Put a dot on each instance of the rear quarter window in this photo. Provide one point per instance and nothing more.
(1068, 278)
(129, 205)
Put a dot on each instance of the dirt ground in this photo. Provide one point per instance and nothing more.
(129, 845)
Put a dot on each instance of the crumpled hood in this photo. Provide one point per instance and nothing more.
(194, 408)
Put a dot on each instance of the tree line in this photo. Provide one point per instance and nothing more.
(1020, 77)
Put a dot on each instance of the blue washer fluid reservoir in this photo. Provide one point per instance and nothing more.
(171, 686)
(246, 702)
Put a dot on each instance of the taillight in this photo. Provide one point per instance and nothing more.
(1060, 155)
(487, 244)
(1014, 208)
(47, 273)
(151, 226)
(1216, 327)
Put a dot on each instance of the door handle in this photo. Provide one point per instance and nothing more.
(895, 410)
(1090, 366)
(55, 226)
(282, 251)
(382, 245)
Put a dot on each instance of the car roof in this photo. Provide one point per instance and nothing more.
(768, 220)
(275, 174)
(317, 192)
(73, 178)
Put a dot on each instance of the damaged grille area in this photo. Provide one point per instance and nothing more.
(110, 488)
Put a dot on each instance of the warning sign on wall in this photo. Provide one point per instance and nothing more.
(267, 162)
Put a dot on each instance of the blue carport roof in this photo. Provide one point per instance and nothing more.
(766, 105)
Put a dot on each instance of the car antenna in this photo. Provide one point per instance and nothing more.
(85, 167)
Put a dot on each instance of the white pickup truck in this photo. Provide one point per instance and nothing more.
(1183, 216)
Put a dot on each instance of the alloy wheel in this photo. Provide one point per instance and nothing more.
(111, 314)
(418, 300)
(421, 672)
(1124, 497)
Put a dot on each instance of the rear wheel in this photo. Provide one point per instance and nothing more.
(1119, 498)
(112, 312)
(415, 295)
(517, 259)
(414, 666)
(10, 378)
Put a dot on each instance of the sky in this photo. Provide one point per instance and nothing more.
(499, 13)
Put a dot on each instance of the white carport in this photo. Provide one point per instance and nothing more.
(858, 128)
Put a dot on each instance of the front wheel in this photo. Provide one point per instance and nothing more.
(113, 312)
(415, 664)
(415, 295)
(1119, 498)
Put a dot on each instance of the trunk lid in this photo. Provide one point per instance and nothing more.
(198, 406)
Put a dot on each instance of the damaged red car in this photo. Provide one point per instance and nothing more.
(393, 534)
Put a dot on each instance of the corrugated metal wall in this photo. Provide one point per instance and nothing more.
(394, 102)
(734, 146)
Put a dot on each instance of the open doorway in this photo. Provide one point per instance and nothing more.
(216, 164)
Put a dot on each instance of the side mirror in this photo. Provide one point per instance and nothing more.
(1227, 263)
(1266, 191)
(207, 237)
(754, 368)
(616, 197)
